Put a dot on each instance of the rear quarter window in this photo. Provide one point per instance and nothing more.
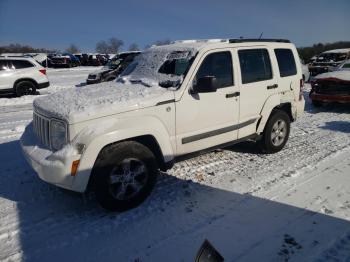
(286, 62)
(20, 64)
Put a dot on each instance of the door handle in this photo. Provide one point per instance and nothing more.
(272, 86)
(235, 94)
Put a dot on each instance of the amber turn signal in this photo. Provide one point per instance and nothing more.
(75, 165)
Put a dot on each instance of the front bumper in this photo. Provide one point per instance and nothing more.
(330, 98)
(54, 168)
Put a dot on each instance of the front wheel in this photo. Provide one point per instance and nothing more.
(124, 175)
(25, 88)
(276, 132)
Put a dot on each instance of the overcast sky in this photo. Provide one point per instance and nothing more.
(56, 24)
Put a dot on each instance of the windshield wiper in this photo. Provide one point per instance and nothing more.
(169, 83)
(139, 81)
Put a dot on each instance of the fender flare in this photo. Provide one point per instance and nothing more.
(269, 105)
(99, 140)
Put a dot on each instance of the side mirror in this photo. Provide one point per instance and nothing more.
(205, 84)
(207, 253)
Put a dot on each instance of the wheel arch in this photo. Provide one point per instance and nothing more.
(24, 79)
(273, 103)
(148, 141)
(155, 137)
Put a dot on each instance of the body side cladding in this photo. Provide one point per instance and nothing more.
(254, 137)
(220, 131)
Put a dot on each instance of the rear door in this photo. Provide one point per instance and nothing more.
(257, 83)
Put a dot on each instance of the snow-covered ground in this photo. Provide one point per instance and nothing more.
(289, 206)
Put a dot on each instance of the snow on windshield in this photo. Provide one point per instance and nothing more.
(160, 64)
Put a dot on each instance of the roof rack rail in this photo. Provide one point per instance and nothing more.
(243, 40)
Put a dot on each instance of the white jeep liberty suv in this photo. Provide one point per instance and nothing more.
(173, 100)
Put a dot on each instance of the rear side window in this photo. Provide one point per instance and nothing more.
(286, 62)
(255, 65)
(20, 64)
(346, 65)
(219, 65)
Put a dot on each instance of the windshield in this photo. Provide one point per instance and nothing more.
(163, 66)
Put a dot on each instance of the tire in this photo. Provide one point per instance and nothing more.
(124, 175)
(276, 132)
(316, 103)
(25, 88)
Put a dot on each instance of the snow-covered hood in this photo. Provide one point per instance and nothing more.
(341, 75)
(88, 102)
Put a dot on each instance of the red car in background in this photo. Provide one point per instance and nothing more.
(330, 87)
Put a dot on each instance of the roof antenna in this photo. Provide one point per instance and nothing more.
(261, 35)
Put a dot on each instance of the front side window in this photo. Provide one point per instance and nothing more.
(218, 65)
(347, 65)
(255, 65)
(286, 62)
(20, 64)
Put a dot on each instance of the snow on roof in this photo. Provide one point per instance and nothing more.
(342, 75)
(337, 51)
(201, 41)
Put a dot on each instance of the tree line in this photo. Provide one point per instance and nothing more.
(115, 45)
(306, 53)
(111, 46)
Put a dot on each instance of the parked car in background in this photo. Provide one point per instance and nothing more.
(21, 76)
(94, 61)
(345, 66)
(113, 68)
(331, 87)
(328, 60)
(116, 138)
(64, 60)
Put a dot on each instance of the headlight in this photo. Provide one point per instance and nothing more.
(58, 134)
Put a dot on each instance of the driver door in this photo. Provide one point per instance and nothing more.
(204, 120)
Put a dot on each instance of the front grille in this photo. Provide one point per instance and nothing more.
(332, 87)
(41, 128)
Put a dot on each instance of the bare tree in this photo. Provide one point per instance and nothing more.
(102, 47)
(114, 45)
(72, 49)
(133, 47)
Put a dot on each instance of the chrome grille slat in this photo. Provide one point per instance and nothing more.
(41, 127)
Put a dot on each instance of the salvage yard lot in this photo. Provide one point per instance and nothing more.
(293, 205)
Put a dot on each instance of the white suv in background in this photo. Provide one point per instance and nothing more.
(171, 102)
(22, 76)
